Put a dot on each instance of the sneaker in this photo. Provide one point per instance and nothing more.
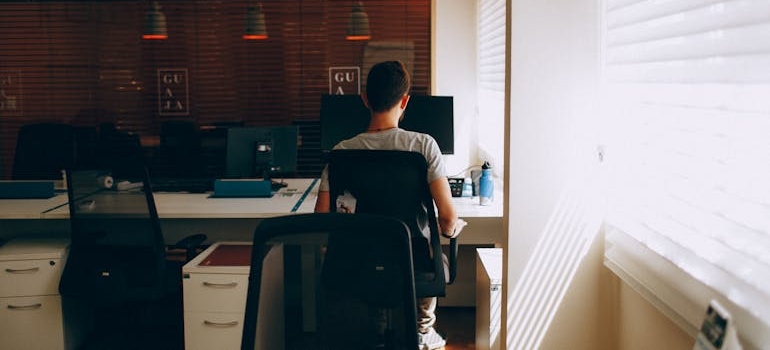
(430, 340)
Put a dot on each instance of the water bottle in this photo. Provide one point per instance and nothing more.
(486, 186)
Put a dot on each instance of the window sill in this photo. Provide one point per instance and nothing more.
(674, 292)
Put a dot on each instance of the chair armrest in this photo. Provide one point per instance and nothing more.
(190, 244)
(452, 260)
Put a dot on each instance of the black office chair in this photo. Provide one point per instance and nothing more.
(179, 153)
(357, 286)
(117, 266)
(43, 150)
(394, 183)
(86, 146)
(121, 152)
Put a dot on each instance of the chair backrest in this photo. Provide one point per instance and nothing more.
(121, 152)
(86, 145)
(378, 277)
(43, 150)
(179, 153)
(117, 251)
(394, 183)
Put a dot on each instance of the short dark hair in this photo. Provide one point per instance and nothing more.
(386, 83)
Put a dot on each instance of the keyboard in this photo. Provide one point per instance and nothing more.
(194, 185)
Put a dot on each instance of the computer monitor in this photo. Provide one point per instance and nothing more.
(432, 115)
(344, 116)
(261, 151)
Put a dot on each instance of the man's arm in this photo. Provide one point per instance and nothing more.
(447, 217)
(322, 202)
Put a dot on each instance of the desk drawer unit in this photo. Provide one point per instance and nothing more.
(30, 277)
(213, 330)
(215, 284)
(215, 292)
(31, 323)
(489, 279)
(30, 306)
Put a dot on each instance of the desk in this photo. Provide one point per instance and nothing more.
(182, 205)
(19, 209)
(234, 219)
(181, 213)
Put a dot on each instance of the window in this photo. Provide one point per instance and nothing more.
(491, 81)
(685, 88)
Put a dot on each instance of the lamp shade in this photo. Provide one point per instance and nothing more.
(255, 24)
(358, 24)
(155, 24)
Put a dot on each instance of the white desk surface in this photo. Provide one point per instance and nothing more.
(180, 210)
(30, 208)
(469, 207)
(181, 205)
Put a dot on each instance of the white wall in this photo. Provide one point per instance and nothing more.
(553, 140)
(553, 130)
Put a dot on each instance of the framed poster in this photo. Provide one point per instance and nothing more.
(10, 93)
(344, 80)
(173, 92)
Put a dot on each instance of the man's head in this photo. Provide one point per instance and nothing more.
(386, 83)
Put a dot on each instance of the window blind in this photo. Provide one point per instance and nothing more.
(491, 45)
(83, 62)
(685, 93)
(491, 50)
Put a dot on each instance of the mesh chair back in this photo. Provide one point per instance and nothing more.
(180, 150)
(394, 183)
(121, 152)
(43, 150)
(355, 289)
(117, 252)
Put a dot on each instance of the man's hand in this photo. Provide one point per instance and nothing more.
(458, 227)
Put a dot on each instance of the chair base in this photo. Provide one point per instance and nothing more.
(153, 326)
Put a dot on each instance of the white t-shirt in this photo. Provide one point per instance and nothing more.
(395, 139)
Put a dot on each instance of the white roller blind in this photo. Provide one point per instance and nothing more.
(491, 51)
(687, 99)
(491, 45)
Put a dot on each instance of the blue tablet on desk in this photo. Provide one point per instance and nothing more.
(26, 189)
(242, 188)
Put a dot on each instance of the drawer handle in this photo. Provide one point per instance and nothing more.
(29, 270)
(220, 324)
(220, 285)
(25, 307)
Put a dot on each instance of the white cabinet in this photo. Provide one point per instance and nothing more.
(31, 314)
(215, 285)
(489, 279)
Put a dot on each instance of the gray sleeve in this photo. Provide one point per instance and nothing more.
(436, 167)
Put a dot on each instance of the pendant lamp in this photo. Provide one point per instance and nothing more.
(155, 24)
(255, 24)
(358, 24)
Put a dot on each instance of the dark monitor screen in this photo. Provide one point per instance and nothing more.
(253, 150)
(345, 116)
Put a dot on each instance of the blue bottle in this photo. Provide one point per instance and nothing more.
(486, 186)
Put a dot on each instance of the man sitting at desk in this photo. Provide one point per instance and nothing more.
(386, 96)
